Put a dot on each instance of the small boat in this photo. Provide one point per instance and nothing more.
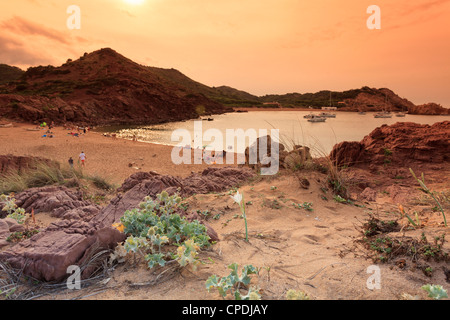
(361, 112)
(327, 115)
(315, 118)
(383, 114)
(400, 114)
(308, 116)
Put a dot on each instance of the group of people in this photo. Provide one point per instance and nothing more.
(77, 131)
(82, 157)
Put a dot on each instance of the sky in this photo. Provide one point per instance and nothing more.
(259, 46)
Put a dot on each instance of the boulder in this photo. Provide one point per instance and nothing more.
(264, 153)
(346, 153)
(47, 255)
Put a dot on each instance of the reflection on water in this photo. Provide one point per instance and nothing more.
(293, 128)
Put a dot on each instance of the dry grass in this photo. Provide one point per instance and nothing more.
(44, 175)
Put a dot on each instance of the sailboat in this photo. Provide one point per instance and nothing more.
(328, 114)
(384, 113)
(315, 118)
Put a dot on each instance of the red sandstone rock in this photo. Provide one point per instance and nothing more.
(399, 145)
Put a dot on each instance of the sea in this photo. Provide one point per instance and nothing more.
(290, 126)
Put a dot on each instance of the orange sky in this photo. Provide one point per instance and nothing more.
(259, 46)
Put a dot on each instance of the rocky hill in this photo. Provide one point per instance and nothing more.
(9, 73)
(364, 99)
(430, 109)
(100, 88)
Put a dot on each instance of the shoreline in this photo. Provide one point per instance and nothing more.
(243, 109)
(112, 158)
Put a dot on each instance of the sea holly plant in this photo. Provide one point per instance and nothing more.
(233, 283)
(239, 199)
(187, 254)
(436, 292)
(305, 205)
(155, 230)
(10, 206)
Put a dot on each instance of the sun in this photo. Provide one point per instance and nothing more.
(135, 2)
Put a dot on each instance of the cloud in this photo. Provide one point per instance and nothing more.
(416, 14)
(425, 6)
(13, 52)
(21, 26)
(26, 43)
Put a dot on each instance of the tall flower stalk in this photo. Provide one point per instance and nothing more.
(239, 199)
(425, 189)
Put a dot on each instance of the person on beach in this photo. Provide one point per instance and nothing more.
(82, 157)
(71, 163)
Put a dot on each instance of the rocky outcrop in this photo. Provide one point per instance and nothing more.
(272, 155)
(8, 226)
(52, 199)
(398, 145)
(429, 109)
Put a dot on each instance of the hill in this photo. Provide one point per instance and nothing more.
(101, 88)
(9, 73)
(225, 95)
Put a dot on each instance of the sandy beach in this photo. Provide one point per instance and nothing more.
(113, 159)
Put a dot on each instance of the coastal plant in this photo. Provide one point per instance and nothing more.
(42, 174)
(239, 199)
(233, 283)
(155, 229)
(339, 199)
(436, 292)
(19, 236)
(427, 191)
(11, 208)
(415, 223)
(305, 205)
(296, 295)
